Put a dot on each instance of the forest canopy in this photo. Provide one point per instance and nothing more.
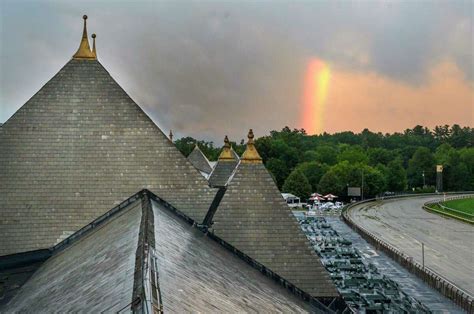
(329, 163)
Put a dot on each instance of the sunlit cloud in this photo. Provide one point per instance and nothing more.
(361, 100)
(207, 69)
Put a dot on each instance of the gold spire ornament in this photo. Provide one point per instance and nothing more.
(94, 52)
(84, 51)
(171, 135)
(251, 156)
(226, 154)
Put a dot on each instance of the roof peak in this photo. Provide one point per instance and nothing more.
(84, 51)
(251, 156)
(226, 154)
(94, 51)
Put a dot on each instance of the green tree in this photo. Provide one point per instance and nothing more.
(185, 145)
(422, 163)
(397, 176)
(380, 156)
(310, 155)
(344, 174)
(461, 137)
(278, 169)
(370, 139)
(445, 154)
(263, 145)
(456, 173)
(353, 154)
(455, 177)
(313, 171)
(467, 157)
(279, 149)
(331, 183)
(326, 154)
(297, 184)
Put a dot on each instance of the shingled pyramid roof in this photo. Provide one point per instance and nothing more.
(141, 256)
(254, 218)
(78, 146)
(199, 160)
(225, 166)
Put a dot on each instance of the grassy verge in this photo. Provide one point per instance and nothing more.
(465, 205)
(462, 209)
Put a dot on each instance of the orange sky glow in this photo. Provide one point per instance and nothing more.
(358, 100)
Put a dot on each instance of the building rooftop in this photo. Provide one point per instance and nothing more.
(143, 248)
(80, 146)
(225, 166)
(253, 217)
(76, 148)
(200, 161)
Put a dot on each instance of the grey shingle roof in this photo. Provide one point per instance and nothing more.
(97, 269)
(75, 148)
(199, 161)
(254, 218)
(199, 275)
(221, 172)
(94, 274)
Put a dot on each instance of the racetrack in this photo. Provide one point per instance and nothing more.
(403, 223)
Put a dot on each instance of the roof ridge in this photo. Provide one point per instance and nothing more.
(239, 221)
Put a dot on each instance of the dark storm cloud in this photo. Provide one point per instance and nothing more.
(212, 68)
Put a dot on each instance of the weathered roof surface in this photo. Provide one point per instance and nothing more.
(199, 161)
(75, 148)
(109, 266)
(94, 274)
(196, 274)
(254, 218)
(221, 172)
(16, 270)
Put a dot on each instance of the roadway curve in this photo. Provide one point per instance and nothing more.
(403, 223)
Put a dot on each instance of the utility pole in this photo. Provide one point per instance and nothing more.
(423, 175)
(362, 185)
(423, 254)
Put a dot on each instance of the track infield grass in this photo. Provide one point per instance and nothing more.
(465, 205)
(462, 209)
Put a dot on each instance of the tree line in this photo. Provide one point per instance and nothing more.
(330, 163)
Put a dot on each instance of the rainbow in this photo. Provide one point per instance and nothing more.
(316, 86)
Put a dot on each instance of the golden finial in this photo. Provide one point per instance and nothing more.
(251, 155)
(171, 135)
(226, 154)
(94, 52)
(226, 142)
(84, 51)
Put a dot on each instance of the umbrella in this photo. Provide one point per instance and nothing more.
(330, 196)
(316, 194)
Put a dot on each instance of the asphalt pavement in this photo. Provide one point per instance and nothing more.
(403, 223)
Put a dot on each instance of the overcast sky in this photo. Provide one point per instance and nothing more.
(210, 68)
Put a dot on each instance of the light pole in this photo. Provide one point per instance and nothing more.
(362, 185)
(423, 175)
